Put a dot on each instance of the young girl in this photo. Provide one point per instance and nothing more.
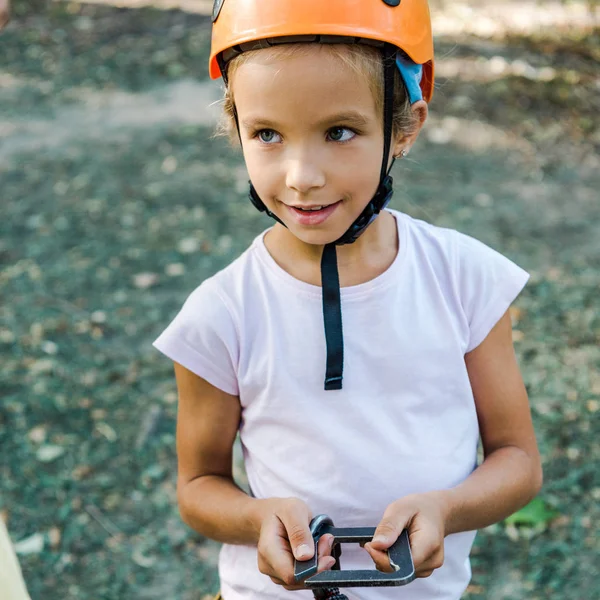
(359, 353)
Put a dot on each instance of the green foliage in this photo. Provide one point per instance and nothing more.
(537, 512)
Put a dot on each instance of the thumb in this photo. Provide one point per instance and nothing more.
(387, 533)
(296, 522)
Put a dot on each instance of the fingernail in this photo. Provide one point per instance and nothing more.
(331, 542)
(302, 551)
(380, 539)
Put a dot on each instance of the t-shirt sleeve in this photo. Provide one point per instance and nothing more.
(203, 338)
(488, 284)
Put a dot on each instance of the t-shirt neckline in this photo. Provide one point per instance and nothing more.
(377, 283)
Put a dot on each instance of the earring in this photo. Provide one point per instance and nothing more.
(403, 154)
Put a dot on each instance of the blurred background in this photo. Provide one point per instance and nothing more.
(116, 201)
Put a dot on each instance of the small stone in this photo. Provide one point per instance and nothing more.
(49, 347)
(561, 521)
(54, 537)
(98, 317)
(497, 65)
(139, 558)
(44, 365)
(7, 336)
(438, 135)
(85, 402)
(49, 453)
(517, 335)
(484, 200)
(98, 413)
(175, 269)
(143, 281)
(80, 472)
(82, 327)
(107, 431)
(170, 397)
(593, 406)
(586, 521)
(188, 245)
(34, 544)
(38, 434)
(512, 532)
(169, 165)
(225, 242)
(36, 331)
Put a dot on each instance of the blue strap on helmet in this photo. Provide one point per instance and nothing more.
(411, 74)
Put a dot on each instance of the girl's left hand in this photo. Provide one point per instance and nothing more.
(424, 517)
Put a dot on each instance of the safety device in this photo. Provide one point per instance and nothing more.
(402, 31)
(239, 24)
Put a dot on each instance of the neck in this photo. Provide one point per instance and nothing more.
(369, 256)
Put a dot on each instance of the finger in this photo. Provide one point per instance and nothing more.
(325, 545)
(388, 530)
(427, 549)
(433, 562)
(290, 587)
(296, 522)
(423, 574)
(275, 557)
(325, 563)
(380, 558)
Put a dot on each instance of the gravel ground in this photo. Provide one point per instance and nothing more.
(118, 201)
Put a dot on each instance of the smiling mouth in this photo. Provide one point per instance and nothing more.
(309, 209)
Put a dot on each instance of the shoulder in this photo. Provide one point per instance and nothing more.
(457, 251)
(430, 247)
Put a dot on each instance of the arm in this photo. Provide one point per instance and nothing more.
(511, 473)
(211, 503)
(509, 477)
(209, 500)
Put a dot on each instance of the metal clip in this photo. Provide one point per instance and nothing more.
(399, 553)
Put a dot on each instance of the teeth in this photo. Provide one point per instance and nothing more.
(312, 209)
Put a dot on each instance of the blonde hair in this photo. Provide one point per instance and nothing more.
(364, 60)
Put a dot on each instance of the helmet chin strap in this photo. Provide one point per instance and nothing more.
(332, 308)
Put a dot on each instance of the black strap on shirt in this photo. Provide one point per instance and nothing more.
(332, 318)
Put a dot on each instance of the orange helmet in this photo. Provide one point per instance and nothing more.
(406, 24)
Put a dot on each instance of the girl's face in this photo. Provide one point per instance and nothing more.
(312, 139)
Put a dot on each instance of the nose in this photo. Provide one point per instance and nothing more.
(304, 175)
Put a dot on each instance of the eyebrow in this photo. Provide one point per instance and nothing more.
(350, 118)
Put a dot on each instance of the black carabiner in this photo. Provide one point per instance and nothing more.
(326, 583)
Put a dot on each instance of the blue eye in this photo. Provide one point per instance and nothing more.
(340, 134)
(268, 136)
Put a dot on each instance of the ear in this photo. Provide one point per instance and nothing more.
(404, 141)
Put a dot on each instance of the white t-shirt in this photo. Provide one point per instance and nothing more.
(405, 420)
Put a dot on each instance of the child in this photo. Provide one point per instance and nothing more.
(360, 353)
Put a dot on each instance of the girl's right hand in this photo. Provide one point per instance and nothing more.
(285, 535)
